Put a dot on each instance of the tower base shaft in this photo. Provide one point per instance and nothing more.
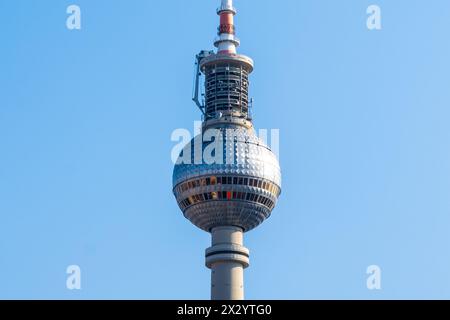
(227, 258)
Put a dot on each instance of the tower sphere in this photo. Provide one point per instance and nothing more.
(240, 189)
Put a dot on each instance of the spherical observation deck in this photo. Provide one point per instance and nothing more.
(239, 188)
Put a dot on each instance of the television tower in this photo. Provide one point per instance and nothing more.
(226, 180)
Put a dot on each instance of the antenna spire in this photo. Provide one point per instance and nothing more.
(226, 42)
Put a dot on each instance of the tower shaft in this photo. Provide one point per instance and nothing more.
(227, 258)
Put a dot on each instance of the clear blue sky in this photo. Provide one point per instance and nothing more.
(85, 169)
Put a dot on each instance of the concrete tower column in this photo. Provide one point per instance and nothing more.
(227, 258)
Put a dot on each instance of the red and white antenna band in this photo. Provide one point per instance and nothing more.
(226, 42)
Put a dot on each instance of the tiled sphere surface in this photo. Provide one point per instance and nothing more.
(244, 156)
